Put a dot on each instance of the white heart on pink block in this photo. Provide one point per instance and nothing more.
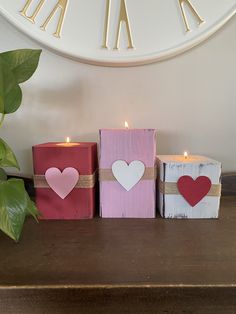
(128, 175)
(62, 183)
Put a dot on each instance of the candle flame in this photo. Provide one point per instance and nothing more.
(126, 125)
(67, 140)
(185, 155)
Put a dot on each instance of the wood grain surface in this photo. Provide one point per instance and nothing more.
(172, 168)
(128, 145)
(122, 266)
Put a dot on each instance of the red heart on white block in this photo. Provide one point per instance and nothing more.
(62, 183)
(194, 190)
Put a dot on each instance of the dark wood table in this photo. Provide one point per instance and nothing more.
(122, 266)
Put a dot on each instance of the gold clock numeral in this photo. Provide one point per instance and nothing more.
(193, 11)
(61, 5)
(27, 6)
(106, 26)
(123, 19)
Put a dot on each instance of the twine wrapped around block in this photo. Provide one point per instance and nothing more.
(169, 188)
(85, 181)
(107, 175)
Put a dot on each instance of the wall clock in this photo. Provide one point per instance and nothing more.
(118, 32)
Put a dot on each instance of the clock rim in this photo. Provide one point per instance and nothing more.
(135, 61)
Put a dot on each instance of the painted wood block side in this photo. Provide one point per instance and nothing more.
(128, 145)
(80, 203)
(175, 206)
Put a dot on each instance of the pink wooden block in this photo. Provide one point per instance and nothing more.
(127, 145)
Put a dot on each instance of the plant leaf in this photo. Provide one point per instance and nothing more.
(13, 204)
(9, 158)
(31, 209)
(10, 91)
(23, 63)
(3, 175)
(2, 151)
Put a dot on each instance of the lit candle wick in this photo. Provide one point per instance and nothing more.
(185, 155)
(67, 143)
(126, 125)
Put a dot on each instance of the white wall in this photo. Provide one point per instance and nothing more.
(190, 99)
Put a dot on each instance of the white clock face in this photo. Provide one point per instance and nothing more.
(118, 32)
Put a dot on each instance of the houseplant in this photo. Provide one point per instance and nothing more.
(16, 67)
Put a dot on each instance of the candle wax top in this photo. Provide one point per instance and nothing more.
(127, 129)
(68, 144)
(65, 144)
(182, 159)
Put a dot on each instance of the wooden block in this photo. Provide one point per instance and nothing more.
(127, 145)
(80, 203)
(175, 204)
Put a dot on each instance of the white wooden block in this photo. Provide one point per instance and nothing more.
(170, 169)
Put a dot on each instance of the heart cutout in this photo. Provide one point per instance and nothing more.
(128, 175)
(194, 190)
(62, 183)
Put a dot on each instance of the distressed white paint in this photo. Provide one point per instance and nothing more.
(157, 28)
(175, 206)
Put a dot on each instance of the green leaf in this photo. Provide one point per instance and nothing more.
(13, 204)
(10, 91)
(23, 63)
(3, 175)
(31, 209)
(2, 151)
(8, 159)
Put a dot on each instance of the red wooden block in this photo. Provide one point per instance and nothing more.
(80, 203)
